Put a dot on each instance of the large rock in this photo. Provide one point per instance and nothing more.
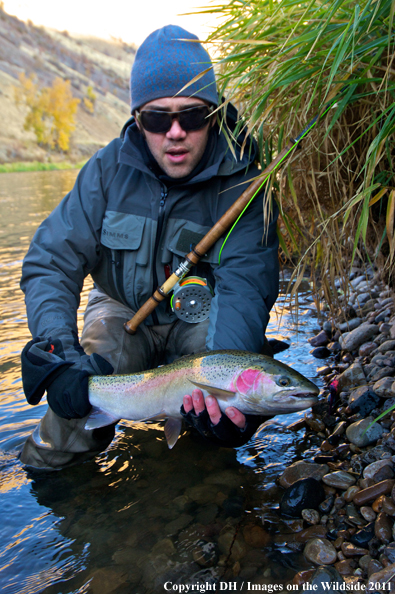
(303, 494)
(357, 337)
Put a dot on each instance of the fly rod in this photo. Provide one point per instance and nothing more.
(229, 218)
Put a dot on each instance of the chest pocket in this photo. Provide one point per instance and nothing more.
(126, 232)
(182, 237)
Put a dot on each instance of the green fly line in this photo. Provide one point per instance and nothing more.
(295, 142)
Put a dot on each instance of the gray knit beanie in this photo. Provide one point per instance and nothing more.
(165, 63)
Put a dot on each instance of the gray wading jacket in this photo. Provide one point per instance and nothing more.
(124, 226)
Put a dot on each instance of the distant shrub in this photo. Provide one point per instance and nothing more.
(51, 111)
(90, 100)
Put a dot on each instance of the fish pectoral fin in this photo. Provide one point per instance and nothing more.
(172, 431)
(99, 418)
(214, 391)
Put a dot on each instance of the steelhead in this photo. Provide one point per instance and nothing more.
(254, 384)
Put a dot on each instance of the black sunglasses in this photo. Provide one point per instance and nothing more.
(159, 122)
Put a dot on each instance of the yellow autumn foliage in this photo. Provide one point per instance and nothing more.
(51, 111)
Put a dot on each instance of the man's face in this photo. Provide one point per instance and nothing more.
(177, 152)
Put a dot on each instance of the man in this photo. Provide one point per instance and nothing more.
(136, 209)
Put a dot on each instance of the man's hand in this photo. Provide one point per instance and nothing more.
(231, 429)
(197, 403)
(44, 367)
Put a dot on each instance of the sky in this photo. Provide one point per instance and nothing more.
(130, 20)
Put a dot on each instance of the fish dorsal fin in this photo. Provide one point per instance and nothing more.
(214, 391)
(99, 418)
(172, 431)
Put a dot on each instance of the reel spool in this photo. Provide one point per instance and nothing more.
(191, 300)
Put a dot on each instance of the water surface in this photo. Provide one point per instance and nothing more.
(134, 517)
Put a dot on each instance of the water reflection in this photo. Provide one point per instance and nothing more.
(139, 513)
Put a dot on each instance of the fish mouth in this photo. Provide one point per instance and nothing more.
(308, 397)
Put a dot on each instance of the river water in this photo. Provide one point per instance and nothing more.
(136, 519)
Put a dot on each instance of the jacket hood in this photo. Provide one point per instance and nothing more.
(220, 162)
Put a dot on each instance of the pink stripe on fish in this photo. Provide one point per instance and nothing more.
(247, 379)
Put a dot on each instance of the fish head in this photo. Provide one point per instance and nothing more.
(273, 388)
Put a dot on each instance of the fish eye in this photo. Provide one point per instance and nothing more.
(283, 381)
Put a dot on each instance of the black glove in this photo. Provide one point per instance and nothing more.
(224, 433)
(44, 367)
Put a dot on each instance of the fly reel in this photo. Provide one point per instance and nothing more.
(191, 299)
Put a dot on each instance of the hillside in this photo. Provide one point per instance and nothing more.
(86, 62)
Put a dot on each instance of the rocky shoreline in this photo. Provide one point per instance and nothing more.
(343, 502)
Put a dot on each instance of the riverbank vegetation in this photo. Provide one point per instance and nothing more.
(280, 63)
(38, 166)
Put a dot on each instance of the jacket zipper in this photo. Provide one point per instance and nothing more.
(117, 263)
(161, 218)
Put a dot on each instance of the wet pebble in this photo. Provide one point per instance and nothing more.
(384, 387)
(360, 434)
(339, 479)
(326, 506)
(320, 551)
(383, 528)
(320, 339)
(311, 516)
(351, 491)
(387, 345)
(379, 470)
(367, 348)
(320, 352)
(374, 491)
(389, 552)
(346, 567)
(351, 550)
(362, 537)
(367, 513)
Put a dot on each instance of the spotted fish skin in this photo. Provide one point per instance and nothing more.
(254, 384)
